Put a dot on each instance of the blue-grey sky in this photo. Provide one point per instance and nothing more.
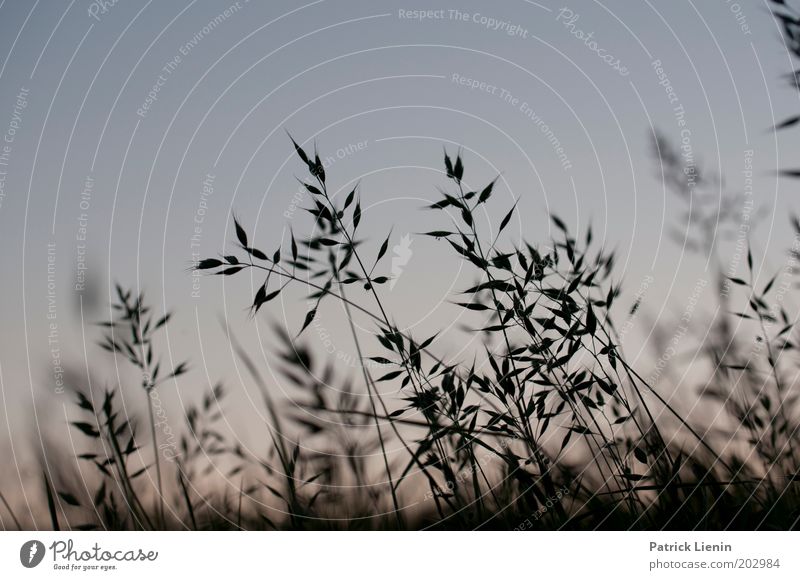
(116, 116)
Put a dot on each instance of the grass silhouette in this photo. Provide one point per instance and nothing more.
(551, 427)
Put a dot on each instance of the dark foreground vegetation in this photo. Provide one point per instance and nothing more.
(549, 426)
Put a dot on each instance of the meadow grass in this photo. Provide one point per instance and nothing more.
(549, 426)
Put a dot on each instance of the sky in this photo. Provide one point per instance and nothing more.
(133, 132)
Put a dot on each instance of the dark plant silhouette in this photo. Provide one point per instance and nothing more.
(547, 426)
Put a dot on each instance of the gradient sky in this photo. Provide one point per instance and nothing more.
(380, 93)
